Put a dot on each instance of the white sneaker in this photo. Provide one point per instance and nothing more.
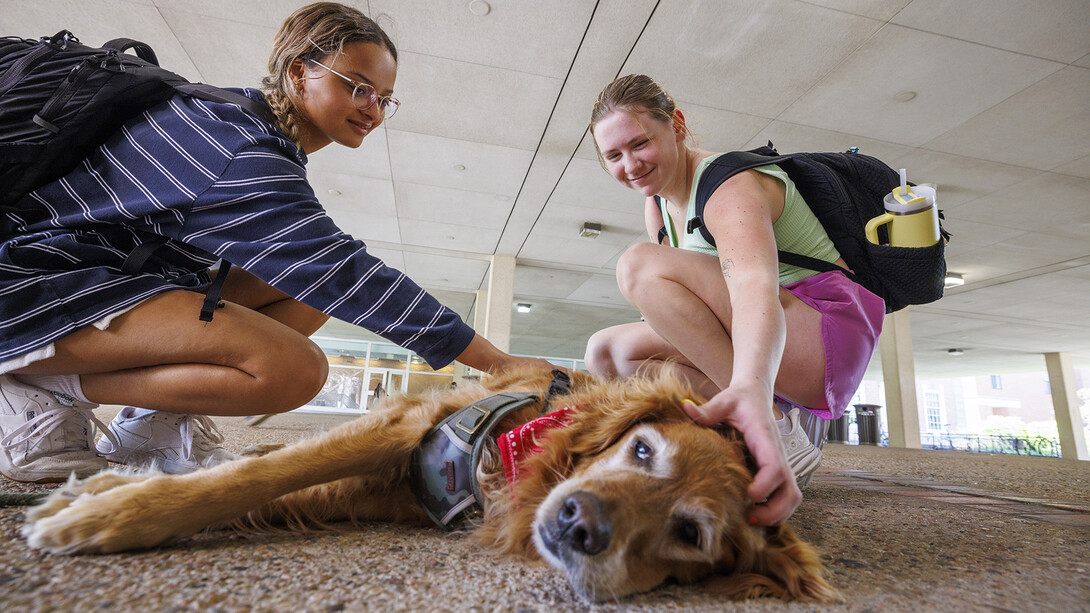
(802, 455)
(172, 442)
(42, 439)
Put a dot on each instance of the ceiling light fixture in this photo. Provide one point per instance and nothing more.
(523, 307)
(953, 279)
(480, 8)
(955, 351)
(904, 96)
(590, 230)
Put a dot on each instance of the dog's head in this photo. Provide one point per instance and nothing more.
(641, 496)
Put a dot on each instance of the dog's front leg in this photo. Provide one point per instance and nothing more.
(165, 508)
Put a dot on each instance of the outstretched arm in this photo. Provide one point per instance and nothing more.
(262, 216)
(739, 215)
(483, 355)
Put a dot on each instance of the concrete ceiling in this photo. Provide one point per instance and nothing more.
(490, 153)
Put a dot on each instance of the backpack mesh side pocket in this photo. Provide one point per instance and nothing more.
(909, 275)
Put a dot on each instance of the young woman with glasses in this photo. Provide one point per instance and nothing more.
(210, 183)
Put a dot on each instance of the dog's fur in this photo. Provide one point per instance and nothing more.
(630, 494)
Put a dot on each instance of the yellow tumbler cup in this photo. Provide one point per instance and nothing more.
(912, 218)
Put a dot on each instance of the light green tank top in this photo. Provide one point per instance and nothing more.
(797, 230)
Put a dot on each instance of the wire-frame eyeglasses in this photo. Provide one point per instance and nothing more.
(364, 96)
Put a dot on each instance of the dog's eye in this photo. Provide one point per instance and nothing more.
(642, 451)
(689, 533)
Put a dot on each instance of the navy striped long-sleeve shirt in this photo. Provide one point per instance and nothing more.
(219, 183)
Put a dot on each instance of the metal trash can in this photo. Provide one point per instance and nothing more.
(838, 429)
(866, 420)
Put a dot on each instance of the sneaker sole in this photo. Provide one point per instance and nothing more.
(29, 477)
(147, 460)
(29, 474)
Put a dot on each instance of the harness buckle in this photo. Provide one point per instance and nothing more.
(475, 421)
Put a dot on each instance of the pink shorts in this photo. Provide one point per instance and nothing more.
(851, 320)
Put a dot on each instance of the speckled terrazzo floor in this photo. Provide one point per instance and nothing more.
(900, 530)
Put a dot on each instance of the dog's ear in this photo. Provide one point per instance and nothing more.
(782, 566)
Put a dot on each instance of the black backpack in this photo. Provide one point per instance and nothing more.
(845, 191)
(60, 100)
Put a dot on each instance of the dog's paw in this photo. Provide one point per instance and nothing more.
(76, 528)
(63, 496)
(120, 516)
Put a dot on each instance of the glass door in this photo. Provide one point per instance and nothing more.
(381, 382)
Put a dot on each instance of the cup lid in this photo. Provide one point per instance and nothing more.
(919, 197)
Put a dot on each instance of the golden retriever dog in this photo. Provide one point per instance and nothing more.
(630, 494)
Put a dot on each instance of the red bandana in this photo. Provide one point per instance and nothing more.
(522, 441)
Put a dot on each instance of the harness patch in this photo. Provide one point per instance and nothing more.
(442, 472)
(450, 475)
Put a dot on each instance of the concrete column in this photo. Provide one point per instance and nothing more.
(1065, 404)
(899, 375)
(480, 312)
(460, 372)
(501, 295)
(479, 320)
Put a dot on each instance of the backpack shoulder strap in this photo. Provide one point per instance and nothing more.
(212, 298)
(218, 94)
(143, 50)
(716, 174)
(136, 259)
(663, 232)
(198, 90)
(810, 263)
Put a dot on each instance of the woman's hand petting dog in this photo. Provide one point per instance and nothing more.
(774, 490)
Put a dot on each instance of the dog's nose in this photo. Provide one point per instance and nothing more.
(584, 523)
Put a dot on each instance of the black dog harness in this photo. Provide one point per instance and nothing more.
(443, 470)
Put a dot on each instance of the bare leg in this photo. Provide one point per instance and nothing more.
(685, 301)
(246, 290)
(253, 358)
(628, 349)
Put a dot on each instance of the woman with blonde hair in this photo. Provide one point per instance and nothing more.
(760, 338)
(211, 183)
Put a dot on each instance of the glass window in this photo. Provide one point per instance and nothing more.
(933, 409)
(363, 373)
(343, 389)
(422, 382)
